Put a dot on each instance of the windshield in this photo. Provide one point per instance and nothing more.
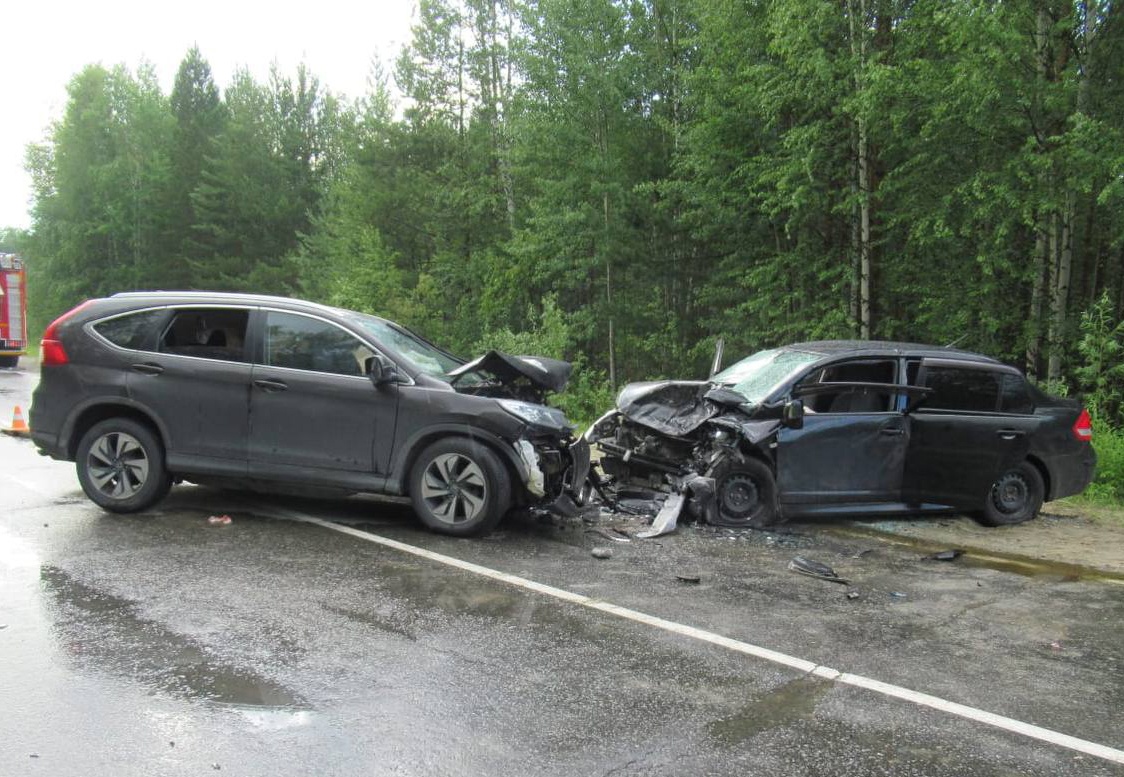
(425, 356)
(755, 377)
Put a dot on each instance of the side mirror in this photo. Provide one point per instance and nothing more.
(793, 415)
(383, 371)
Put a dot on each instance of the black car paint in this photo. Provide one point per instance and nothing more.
(907, 458)
(244, 420)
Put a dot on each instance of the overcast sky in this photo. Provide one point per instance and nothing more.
(46, 42)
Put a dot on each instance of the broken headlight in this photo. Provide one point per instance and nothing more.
(536, 415)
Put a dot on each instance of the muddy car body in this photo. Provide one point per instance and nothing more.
(849, 427)
(142, 389)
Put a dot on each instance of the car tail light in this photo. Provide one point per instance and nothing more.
(51, 352)
(1083, 426)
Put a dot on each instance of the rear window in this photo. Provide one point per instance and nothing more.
(208, 333)
(134, 331)
(962, 389)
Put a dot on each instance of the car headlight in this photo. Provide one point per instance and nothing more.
(536, 415)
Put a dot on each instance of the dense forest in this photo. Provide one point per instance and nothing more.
(622, 182)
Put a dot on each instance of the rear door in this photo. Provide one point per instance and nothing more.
(852, 446)
(971, 428)
(315, 415)
(195, 377)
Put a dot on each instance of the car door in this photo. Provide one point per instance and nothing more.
(195, 378)
(963, 436)
(851, 447)
(315, 415)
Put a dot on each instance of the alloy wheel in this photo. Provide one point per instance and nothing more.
(118, 465)
(454, 488)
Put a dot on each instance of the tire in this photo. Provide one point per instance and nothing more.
(9, 362)
(1016, 496)
(121, 466)
(459, 487)
(746, 493)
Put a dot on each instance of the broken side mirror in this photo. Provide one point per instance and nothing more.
(793, 415)
(383, 371)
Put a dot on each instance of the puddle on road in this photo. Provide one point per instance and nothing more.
(1028, 566)
(787, 704)
(98, 630)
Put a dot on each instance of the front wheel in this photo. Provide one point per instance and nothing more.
(1016, 496)
(459, 487)
(121, 466)
(746, 492)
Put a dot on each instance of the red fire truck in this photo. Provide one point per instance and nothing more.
(13, 310)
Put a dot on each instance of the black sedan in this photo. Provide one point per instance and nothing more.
(849, 427)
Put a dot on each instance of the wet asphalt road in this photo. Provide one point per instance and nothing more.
(156, 644)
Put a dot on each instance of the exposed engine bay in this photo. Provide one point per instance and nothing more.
(691, 439)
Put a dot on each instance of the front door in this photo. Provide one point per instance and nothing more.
(314, 413)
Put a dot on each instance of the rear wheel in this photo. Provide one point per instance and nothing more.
(746, 492)
(459, 486)
(8, 362)
(1016, 496)
(121, 466)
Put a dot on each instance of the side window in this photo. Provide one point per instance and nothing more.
(133, 331)
(956, 388)
(853, 399)
(1015, 396)
(303, 343)
(210, 333)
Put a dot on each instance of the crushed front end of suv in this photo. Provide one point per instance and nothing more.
(847, 428)
(149, 388)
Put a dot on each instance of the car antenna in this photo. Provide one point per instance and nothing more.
(957, 341)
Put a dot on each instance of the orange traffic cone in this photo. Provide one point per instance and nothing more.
(19, 426)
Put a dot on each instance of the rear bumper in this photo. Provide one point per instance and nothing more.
(1071, 474)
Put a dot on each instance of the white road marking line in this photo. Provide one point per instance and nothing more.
(858, 681)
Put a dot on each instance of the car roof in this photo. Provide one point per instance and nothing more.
(832, 348)
(230, 297)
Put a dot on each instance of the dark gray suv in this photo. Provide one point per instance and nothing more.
(145, 389)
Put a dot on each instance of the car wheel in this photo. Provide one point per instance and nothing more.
(458, 486)
(746, 492)
(121, 466)
(1016, 496)
(9, 362)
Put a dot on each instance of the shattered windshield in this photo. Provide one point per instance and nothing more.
(427, 357)
(755, 377)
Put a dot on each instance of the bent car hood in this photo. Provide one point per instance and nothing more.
(674, 407)
(545, 373)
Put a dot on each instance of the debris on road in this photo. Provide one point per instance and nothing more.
(666, 519)
(815, 569)
(944, 555)
(688, 577)
(897, 595)
(220, 520)
(600, 552)
(852, 594)
(615, 535)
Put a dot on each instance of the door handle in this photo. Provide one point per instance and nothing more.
(1010, 434)
(891, 431)
(148, 369)
(271, 385)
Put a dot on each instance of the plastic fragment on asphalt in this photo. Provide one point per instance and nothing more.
(852, 594)
(897, 594)
(815, 569)
(220, 520)
(687, 577)
(944, 555)
(609, 535)
(667, 518)
(600, 552)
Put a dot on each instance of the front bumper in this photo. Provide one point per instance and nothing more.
(555, 475)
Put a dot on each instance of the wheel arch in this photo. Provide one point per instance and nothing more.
(85, 419)
(399, 482)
